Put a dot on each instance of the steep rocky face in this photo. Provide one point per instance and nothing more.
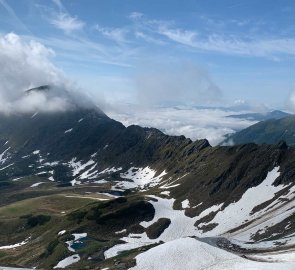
(270, 132)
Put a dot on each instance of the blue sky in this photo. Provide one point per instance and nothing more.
(203, 52)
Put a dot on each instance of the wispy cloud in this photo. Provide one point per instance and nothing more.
(135, 15)
(225, 43)
(67, 23)
(59, 4)
(181, 36)
(14, 16)
(116, 34)
(149, 38)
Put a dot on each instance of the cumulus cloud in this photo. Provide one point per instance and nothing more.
(27, 64)
(67, 23)
(177, 84)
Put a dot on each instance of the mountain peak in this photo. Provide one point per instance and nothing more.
(40, 88)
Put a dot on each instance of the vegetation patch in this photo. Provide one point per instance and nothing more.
(157, 228)
(77, 215)
(2, 254)
(34, 221)
(132, 213)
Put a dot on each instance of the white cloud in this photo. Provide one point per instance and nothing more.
(194, 123)
(176, 83)
(59, 4)
(116, 34)
(135, 15)
(148, 38)
(26, 64)
(67, 23)
(181, 36)
(291, 101)
(232, 45)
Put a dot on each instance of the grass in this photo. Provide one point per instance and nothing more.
(2, 254)
(52, 204)
(45, 247)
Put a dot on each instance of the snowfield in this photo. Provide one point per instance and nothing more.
(191, 254)
(180, 251)
(140, 178)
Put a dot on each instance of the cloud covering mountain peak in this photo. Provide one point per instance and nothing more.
(27, 64)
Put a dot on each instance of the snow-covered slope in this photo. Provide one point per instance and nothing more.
(191, 254)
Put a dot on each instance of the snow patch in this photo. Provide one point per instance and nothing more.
(16, 245)
(68, 261)
(78, 166)
(68, 130)
(62, 232)
(140, 178)
(37, 184)
(185, 204)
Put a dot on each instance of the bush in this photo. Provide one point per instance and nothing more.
(34, 221)
(77, 215)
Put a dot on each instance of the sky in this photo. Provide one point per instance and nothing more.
(166, 52)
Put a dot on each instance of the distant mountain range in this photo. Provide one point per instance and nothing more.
(261, 116)
(270, 132)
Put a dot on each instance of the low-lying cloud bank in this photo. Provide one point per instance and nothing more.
(212, 124)
(26, 64)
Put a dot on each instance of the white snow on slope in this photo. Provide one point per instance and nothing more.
(191, 254)
(17, 179)
(206, 212)
(68, 261)
(2, 156)
(239, 212)
(78, 166)
(181, 226)
(16, 245)
(279, 256)
(37, 184)
(77, 237)
(5, 167)
(185, 204)
(140, 178)
(68, 130)
(110, 170)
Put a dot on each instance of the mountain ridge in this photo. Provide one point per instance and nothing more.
(110, 192)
